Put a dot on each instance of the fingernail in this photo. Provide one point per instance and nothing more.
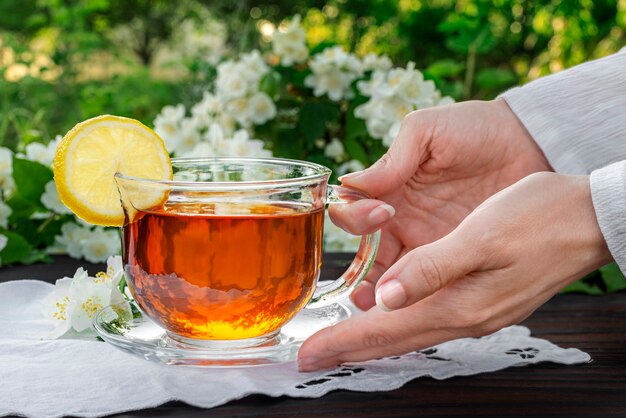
(381, 214)
(390, 296)
(350, 176)
(306, 364)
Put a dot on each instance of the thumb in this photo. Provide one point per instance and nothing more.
(424, 271)
(400, 162)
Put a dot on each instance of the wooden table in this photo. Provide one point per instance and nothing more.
(594, 324)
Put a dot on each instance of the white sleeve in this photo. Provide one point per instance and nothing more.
(608, 192)
(578, 119)
(577, 116)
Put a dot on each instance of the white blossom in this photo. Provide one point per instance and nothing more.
(217, 144)
(100, 244)
(392, 95)
(392, 133)
(290, 43)
(51, 200)
(5, 212)
(75, 301)
(205, 41)
(187, 138)
(206, 110)
(80, 241)
(261, 108)
(442, 101)
(240, 145)
(239, 78)
(334, 149)
(333, 71)
(201, 150)
(350, 167)
(240, 111)
(215, 133)
(43, 154)
(167, 124)
(58, 306)
(3, 243)
(232, 84)
(253, 65)
(235, 102)
(374, 62)
(237, 93)
(71, 238)
(6, 170)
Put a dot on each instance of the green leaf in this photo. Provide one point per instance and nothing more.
(355, 127)
(17, 249)
(30, 179)
(581, 287)
(314, 117)
(319, 158)
(21, 208)
(321, 47)
(270, 84)
(37, 256)
(356, 151)
(445, 68)
(613, 278)
(298, 79)
(460, 44)
(288, 143)
(495, 78)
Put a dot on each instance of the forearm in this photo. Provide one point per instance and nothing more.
(577, 116)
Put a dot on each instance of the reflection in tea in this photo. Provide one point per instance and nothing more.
(208, 273)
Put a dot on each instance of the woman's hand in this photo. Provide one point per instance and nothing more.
(508, 257)
(443, 164)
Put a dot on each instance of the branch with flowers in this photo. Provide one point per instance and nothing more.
(324, 105)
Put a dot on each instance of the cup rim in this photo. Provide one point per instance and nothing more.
(321, 172)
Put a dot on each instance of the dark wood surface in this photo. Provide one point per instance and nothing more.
(594, 324)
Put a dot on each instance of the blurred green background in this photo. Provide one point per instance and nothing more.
(64, 61)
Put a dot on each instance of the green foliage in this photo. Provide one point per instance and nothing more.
(36, 110)
(31, 227)
(471, 49)
(19, 250)
(613, 278)
(30, 179)
(314, 119)
(607, 279)
(520, 40)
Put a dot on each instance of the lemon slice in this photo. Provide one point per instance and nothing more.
(90, 155)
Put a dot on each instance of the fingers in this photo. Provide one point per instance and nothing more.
(389, 251)
(363, 296)
(424, 271)
(361, 217)
(401, 160)
(372, 335)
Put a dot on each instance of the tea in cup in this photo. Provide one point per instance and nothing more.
(235, 251)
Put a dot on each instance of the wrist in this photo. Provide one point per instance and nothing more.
(522, 144)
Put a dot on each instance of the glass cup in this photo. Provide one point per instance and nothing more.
(231, 249)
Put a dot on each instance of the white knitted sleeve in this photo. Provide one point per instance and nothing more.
(578, 118)
(608, 192)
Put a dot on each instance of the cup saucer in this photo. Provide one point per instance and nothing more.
(143, 338)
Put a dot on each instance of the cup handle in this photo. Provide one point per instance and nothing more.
(344, 285)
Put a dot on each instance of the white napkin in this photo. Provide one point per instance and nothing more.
(90, 378)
